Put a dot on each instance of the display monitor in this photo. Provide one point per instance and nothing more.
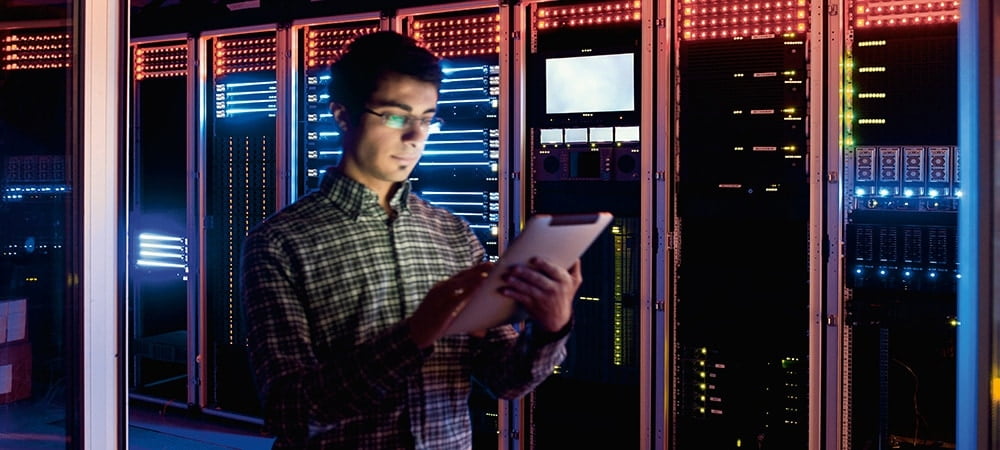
(602, 134)
(551, 136)
(590, 84)
(576, 135)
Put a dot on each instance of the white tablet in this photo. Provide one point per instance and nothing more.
(559, 238)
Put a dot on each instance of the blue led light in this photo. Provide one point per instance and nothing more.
(933, 193)
(458, 141)
(160, 254)
(159, 237)
(268, 93)
(251, 110)
(450, 91)
(860, 192)
(146, 263)
(883, 192)
(247, 102)
(249, 83)
(154, 248)
(451, 70)
(471, 100)
(456, 80)
(908, 192)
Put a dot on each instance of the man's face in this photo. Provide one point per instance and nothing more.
(378, 155)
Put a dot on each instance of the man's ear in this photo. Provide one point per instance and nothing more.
(340, 115)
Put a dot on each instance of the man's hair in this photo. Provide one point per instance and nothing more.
(370, 57)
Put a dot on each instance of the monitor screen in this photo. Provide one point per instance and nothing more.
(602, 134)
(576, 135)
(595, 83)
(552, 136)
(627, 134)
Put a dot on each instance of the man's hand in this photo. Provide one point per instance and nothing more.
(443, 303)
(545, 291)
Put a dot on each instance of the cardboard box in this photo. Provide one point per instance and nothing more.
(13, 320)
(15, 371)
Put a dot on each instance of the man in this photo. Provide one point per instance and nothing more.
(349, 291)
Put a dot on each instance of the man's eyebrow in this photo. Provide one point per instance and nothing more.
(403, 106)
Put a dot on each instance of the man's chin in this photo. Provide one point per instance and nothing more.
(402, 177)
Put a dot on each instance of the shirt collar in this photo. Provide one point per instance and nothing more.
(357, 199)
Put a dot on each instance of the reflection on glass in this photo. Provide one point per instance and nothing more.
(39, 219)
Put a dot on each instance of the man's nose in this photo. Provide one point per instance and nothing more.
(414, 131)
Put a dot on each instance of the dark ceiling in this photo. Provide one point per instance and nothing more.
(161, 17)
(164, 17)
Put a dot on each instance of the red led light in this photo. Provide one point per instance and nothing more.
(590, 15)
(895, 13)
(708, 19)
(459, 36)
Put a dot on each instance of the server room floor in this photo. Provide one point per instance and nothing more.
(38, 424)
(170, 428)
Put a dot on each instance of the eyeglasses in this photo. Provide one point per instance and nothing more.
(400, 121)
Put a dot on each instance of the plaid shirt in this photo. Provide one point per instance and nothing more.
(326, 284)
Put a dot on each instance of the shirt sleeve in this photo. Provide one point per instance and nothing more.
(511, 363)
(296, 386)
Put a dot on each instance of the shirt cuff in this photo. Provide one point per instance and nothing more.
(542, 337)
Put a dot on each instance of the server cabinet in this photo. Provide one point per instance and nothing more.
(41, 207)
(582, 153)
(159, 192)
(740, 359)
(239, 184)
(902, 193)
(461, 165)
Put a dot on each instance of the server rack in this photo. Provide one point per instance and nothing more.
(241, 159)
(582, 156)
(902, 193)
(742, 208)
(161, 215)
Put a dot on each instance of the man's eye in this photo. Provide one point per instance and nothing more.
(396, 121)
